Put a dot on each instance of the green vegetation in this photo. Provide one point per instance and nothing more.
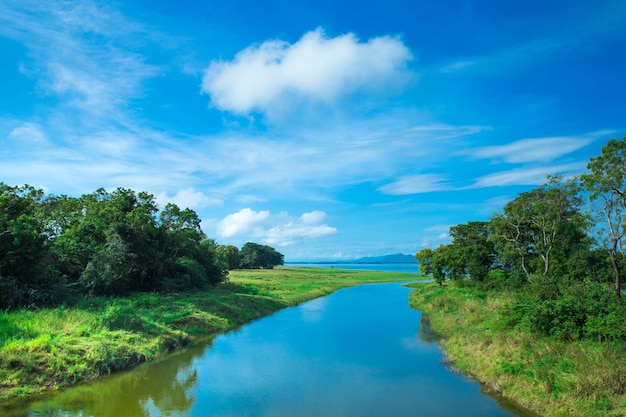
(48, 348)
(530, 302)
(562, 258)
(55, 250)
(551, 376)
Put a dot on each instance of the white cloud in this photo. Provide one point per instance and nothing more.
(29, 133)
(313, 217)
(315, 67)
(527, 176)
(188, 198)
(245, 221)
(275, 229)
(80, 52)
(435, 235)
(416, 184)
(307, 226)
(457, 66)
(602, 21)
(535, 150)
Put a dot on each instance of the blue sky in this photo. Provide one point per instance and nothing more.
(327, 130)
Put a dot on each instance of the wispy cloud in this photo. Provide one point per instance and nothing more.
(80, 52)
(602, 20)
(435, 235)
(315, 67)
(29, 133)
(527, 176)
(416, 184)
(535, 149)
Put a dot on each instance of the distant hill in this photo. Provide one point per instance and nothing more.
(396, 258)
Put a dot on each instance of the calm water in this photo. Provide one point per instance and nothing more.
(366, 267)
(358, 352)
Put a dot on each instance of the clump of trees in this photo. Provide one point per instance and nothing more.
(55, 248)
(559, 247)
(251, 256)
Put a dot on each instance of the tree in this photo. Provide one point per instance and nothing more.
(606, 185)
(448, 263)
(474, 248)
(190, 259)
(425, 260)
(228, 256)
(26, 276)
(101, 243)
(534, 224)
(254, 256)
(110, 270)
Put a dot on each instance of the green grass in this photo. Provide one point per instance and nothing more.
(49, 348)
(551, 377)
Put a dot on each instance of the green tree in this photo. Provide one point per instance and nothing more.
(25, 275)
(606, 185)
(228, 256)
(190, 259)
(254, 256)
(425, 260)
(110, 270)
(473, 247)
(534, 224)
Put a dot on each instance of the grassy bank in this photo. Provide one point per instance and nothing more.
(49, 348)
(551, 377)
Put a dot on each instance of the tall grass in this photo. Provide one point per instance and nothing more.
(549, 376)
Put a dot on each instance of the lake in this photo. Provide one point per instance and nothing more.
(360, 351)
(395, 267)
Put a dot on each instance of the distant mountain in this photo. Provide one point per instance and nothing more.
(397, 258)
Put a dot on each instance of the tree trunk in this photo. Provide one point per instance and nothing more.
(618, 281)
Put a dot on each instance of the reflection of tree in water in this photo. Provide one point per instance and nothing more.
(426, 332)
(163, 388)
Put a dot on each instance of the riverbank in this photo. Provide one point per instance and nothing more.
(550, 377)
(47, 349)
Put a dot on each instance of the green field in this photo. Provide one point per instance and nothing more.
(45, 349)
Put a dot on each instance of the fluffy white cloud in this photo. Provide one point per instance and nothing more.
(242, 222)
(315, 67)
(275, 229)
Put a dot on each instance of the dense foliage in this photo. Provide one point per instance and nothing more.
(255, 256)
(251, 256)
(558, 254)
(54, 248)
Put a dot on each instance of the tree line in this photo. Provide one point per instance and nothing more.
(559, 248)
(56, 248)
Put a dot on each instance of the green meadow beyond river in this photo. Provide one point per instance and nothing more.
(360, 351)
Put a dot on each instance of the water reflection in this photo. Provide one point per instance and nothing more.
(426, 333)
(359, 352)
(163, 388)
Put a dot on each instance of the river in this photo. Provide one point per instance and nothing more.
(360, 351)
